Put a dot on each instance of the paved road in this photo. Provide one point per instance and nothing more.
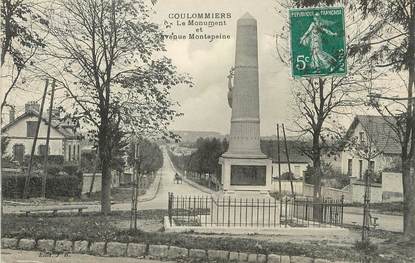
(354, 215)
(19, 256)
(167, 185)
(159, 202)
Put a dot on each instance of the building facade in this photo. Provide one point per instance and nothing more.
(20, 132)
(374, 135)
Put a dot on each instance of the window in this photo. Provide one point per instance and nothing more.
(79, 152)
(297, 170)
(360, 169)
(18, 152)
(361, 136)
(372, 166)
(31, 128)
(69, 153)
(349, 167)
(42, 150)
(74, 153)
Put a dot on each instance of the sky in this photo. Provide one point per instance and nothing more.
(205, 106)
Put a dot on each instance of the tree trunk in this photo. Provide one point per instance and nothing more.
(408, 158)
(316, 167)
(408, 179)
(106, 187)
(7, 30)
(317, 207)
(105, 157)
(317, 177)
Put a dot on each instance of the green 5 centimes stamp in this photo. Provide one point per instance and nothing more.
(318, 43)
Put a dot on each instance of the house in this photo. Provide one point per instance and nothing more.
(20, 132)
(298, 160)
(374, 133)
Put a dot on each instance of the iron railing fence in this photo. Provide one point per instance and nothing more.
(253, 212)
(305, 212)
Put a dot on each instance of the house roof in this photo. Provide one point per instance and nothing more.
(57, 125)
(269, 148)
(379, 130)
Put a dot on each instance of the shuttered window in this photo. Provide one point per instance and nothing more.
(42, 150)
(18, 152)
(31, 128)
(69, 154)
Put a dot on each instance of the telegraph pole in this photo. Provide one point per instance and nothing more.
(279, 159)
(137, 174)
(45, 161)
(96, 163)
(288, 161)
(39, 120)
(134, 196)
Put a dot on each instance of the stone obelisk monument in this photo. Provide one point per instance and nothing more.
(244, 166)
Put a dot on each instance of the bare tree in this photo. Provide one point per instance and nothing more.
(391, 45)
(320, 101)
(108, 57)
(21, 22)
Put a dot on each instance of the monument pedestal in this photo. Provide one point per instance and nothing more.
(246, 174)
(244, 167)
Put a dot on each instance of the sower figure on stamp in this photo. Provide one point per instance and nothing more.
(313, 38)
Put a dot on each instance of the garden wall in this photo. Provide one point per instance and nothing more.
(392, 187)
(49, 248)
(303, 189)
(286, 186)
(87, 180)
(358, 192)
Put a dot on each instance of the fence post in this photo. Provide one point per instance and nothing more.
(229, 211)
(286, 211)
(252, 211)
(342, 205)
(240, 211)
(170, 207)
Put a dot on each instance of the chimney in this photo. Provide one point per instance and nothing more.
(32, 106)
(12, 114)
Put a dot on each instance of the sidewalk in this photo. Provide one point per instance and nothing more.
(151, 193)
(354, 216)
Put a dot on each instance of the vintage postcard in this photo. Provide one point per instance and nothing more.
(272, 131)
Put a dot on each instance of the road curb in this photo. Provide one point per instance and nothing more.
(153, 251)
(158, 178)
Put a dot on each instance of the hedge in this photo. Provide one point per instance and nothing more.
(64, 185)
(38, 159)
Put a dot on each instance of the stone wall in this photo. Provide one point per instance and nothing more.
(392, 188)
(358, 191)
(49, 247)
(87, 180)
(286, 186)
(327, 192)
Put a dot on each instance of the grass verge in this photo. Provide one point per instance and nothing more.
(95, 227)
